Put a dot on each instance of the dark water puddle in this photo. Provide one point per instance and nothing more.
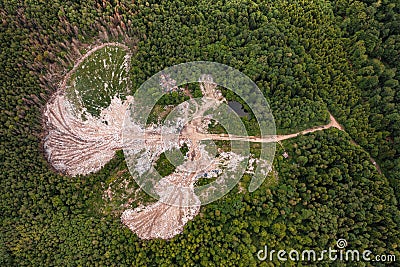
(238, 108)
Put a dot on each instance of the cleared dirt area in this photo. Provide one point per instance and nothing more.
(269, 139)
(74, 146)
(159, 220)
(77, 142)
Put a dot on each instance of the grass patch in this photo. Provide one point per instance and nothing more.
(100, 77)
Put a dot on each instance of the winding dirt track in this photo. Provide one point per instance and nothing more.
(190, 132)
(272, 138)
(193, 134)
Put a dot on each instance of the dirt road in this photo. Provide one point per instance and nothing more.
(195, 136)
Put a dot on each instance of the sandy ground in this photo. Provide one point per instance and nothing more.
(74, 146)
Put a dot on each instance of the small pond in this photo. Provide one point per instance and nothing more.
(238, 108)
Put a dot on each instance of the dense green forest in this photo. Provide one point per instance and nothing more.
(308, 57)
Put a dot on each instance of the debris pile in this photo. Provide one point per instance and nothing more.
(76, 146)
